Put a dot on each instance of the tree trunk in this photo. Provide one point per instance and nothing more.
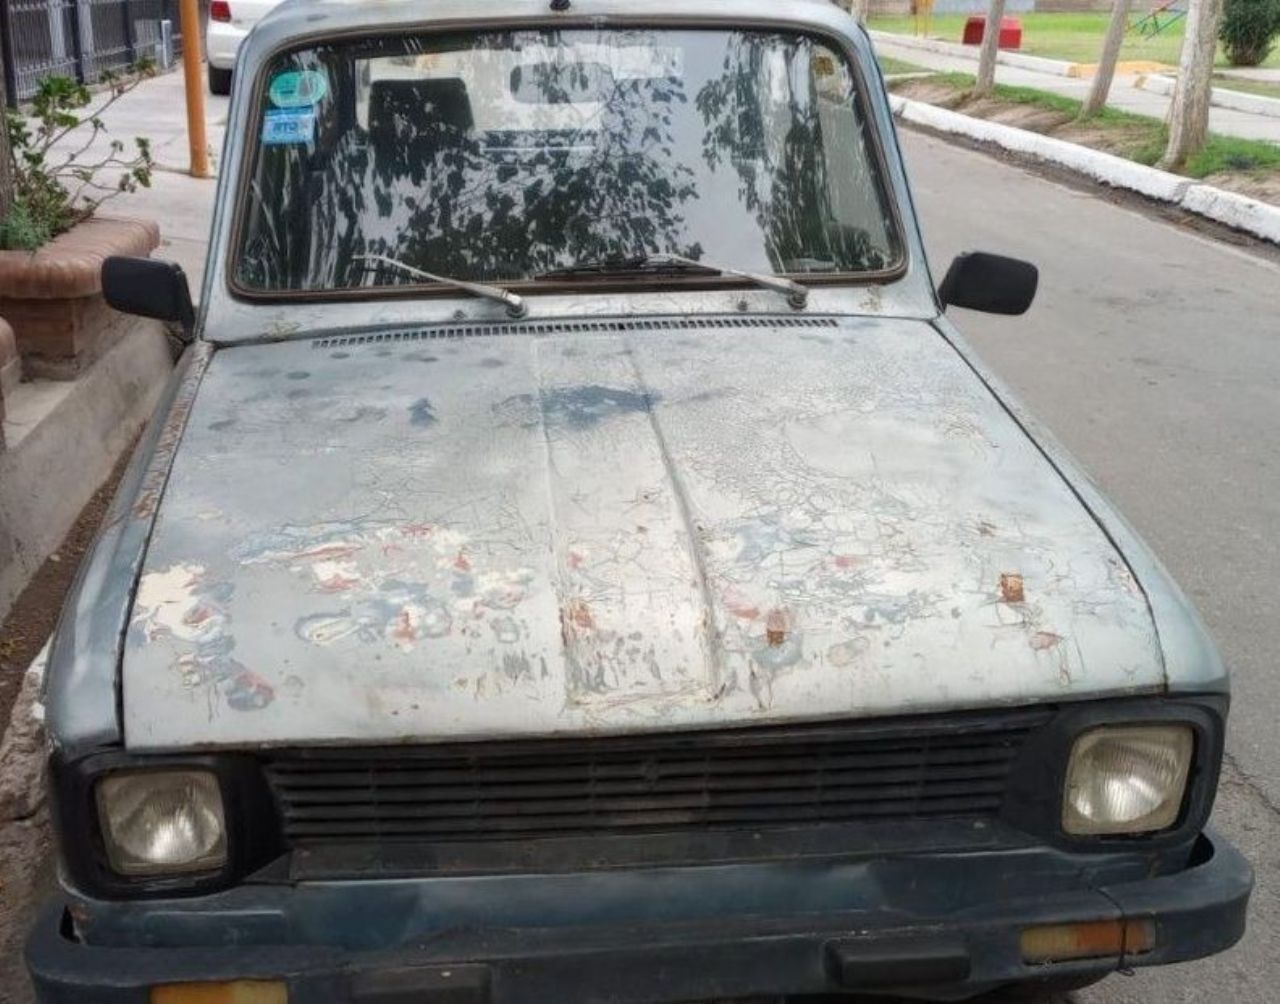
(1107, 61)
(986, 81)
(1189, 112)
(6, 155)
(858, 8)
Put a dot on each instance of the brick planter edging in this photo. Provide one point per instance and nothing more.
(69, 265)
(53, 296)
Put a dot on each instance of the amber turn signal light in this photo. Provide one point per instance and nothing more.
(1091, 939)
(231, 992)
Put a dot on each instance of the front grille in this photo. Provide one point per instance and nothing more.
(912, 769)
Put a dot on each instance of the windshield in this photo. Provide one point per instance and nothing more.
(501, 156)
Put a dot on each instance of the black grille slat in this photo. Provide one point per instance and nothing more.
(496, 807)
(542, 825)
(746, 761)
(462, 791)
(931, 768)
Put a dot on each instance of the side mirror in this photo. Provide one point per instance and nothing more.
(149, 288)
(991, 283)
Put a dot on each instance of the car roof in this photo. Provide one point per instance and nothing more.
(303, 18)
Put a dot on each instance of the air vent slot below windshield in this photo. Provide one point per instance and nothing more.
(570, 327)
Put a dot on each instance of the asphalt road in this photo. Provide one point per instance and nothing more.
(1153, 354)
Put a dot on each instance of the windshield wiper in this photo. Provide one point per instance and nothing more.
(796, 294)
(516, 307)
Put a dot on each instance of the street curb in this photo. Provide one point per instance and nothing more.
(1104, 167)
(22, 748)
(1258, 218)
(1239, 211)
(1221, 97)
(1040, 64)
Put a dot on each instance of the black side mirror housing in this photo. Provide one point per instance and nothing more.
(149, 288)
(991, 283)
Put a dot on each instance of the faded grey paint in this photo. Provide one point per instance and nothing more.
(606, 532)
(219, 639)
(80, 679)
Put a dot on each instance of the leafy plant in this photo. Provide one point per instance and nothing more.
(19, 231)
(61, 172)
(1248, 30)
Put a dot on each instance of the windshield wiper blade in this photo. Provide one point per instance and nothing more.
(516, 307)
(796, 294)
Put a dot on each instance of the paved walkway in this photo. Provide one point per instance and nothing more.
(183, 205)
(1123, 94)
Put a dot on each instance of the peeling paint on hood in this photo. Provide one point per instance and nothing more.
(606, 532)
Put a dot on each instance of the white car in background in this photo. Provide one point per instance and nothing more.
(229, 22)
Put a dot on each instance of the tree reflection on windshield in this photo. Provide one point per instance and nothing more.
(499, 156)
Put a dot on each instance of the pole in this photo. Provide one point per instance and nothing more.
(189, 19)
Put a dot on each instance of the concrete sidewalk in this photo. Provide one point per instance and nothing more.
(1124, 95)
(181, 204)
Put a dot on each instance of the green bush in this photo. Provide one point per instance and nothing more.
(20, 231)
(1248, 29)
(61, 173)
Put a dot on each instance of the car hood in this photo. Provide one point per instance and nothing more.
(610, 527)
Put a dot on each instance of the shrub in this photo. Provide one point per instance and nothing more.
(1248, 29)
(61, 173)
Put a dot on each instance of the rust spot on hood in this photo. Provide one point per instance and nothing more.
(1042, 640)
(576, 614)
(1011, 590)
(775, 627)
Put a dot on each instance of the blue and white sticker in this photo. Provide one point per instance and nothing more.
(289, 125)
(298, 89)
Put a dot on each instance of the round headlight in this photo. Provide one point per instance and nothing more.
(161, 821)
(1127, 779)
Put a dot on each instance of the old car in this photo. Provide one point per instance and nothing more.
(578, 559)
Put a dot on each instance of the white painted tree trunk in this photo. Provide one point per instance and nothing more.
(1189, 112)
(1107, 61)
(858, 8)
(986, 81)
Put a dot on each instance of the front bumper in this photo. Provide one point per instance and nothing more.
(941, 930)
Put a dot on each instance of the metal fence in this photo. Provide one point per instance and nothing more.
(82, 38)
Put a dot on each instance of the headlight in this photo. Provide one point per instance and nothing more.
(1126, 779)
(162, 821)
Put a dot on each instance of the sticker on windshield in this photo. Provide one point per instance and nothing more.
(298, 89)
(288, 125)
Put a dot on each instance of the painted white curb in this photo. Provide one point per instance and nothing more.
(1254, 104)
(1103, 167)
(1258, 218)
(1057, 67)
